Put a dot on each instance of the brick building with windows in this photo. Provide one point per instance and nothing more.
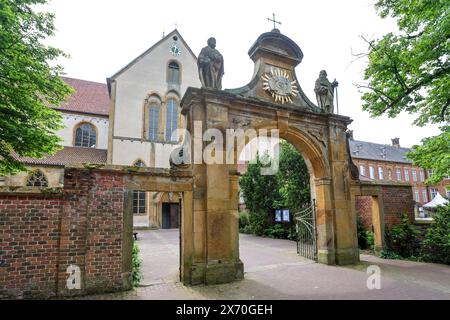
(381, 162)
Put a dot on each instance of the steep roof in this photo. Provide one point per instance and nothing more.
(134, 61)
(89, 97)
(381, 152)
(69, 155)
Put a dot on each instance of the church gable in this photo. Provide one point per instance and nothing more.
(172, 46)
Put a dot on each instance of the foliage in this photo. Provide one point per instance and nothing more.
(408, 71)
(136, 262)
(258, 223)
(434, 153)
(277, 231)
(403, 239)
(259, 191)
(289, 188)
(293, 178)
(436, 246)
(28, 84)
(365, 237)
(370, 236)
(243, 221)
(387, 254)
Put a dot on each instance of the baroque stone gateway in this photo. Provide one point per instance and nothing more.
(88, 224)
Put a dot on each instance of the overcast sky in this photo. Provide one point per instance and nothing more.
(102, 36)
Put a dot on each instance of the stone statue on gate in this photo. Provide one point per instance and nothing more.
(325, 92)
(210, 66)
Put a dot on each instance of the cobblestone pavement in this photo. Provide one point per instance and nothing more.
(273, 270)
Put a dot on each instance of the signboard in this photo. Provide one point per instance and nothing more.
(278, 216)
(286, 216)
(282, 215)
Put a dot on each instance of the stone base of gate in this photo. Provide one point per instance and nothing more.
(215, 273)
(326, 257)
(347, 256)
(340, 257)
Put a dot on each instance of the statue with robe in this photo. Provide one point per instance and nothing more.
(325, 92)
(210, 66)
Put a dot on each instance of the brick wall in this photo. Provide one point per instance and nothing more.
(42, 234)
(30, 234)
(397, 200)
(364, 210)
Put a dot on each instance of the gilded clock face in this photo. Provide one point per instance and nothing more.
(279, 86)
(175, 50)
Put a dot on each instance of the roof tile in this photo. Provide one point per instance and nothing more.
(89, 97)
(69, 155)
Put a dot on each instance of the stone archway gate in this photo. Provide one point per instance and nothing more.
(211, 238)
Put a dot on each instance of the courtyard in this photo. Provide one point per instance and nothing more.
(273, 270)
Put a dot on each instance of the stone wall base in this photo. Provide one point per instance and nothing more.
(215, 273)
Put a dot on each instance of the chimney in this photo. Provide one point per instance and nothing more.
(396, 142)
(350, 135)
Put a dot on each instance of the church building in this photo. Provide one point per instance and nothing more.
(131, 120)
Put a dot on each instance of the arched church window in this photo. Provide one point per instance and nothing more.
(85, 135)
(173, 73)
(153, 121)
(171, 119)
(37, 179)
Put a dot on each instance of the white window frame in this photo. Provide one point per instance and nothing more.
(406, 174)
(398, 173)
(434, 192)
(372, 172)
(380, 173)
(414, 175)
(424, 195)
(362, 170)
(416, 195)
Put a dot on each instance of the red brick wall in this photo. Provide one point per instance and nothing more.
(42, 235)
(30, 233)
(397, 201)
(364, 210)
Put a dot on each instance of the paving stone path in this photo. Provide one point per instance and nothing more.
(273, 270)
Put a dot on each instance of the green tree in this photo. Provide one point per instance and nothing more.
(293, 178)
(436, 246)
(408, 71)
(29, 85)
(288, 188)
(434, 153)
(260, 191)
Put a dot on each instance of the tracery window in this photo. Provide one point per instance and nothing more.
(85, 135)
(37, 179)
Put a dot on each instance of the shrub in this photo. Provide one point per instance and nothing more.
(362, 234)
(277, 231)
(436, 246)
(402, 239)
(136, 262)
(243, 221)
(370, 236)
(258, 223)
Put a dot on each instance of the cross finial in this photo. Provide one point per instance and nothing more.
(176, 25)
(274, 21)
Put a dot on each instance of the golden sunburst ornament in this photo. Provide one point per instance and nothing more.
(278, 85)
